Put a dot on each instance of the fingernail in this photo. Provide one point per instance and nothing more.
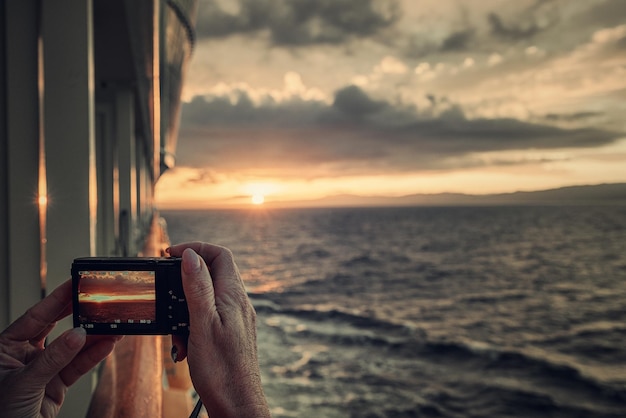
(191, 261)
(174, 353)
(75, 338)
(167, 250)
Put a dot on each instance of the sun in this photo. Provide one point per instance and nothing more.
(258, 199)
(259, 191)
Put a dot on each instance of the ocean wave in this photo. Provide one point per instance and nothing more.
(536, 379)
(265, 305)
(464, 312)
(307, 252)
(485, 399)
(364, 260)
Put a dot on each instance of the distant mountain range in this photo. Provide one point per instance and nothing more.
(602, 194)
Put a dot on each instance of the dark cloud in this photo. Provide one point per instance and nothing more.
(484, 32)
(204, 176)
(561, 27)
(570, 117)
(299, 22)
(239, 110)
(213, 21)
(352, 101)
(604, 14)
(354, 134)
(458, 41)
(538, 17)
(511, 31)
(575, 119)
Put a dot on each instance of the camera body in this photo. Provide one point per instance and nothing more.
(129, 296)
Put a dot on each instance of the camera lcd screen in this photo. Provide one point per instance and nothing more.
(117, 297)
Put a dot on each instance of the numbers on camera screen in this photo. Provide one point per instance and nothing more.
(130, 321)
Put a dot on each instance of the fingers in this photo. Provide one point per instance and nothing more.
(56, 356)
(208, 251)
(96, 350)
(214, 255)
(199, 292)
(179, 348)
(213, 289)
(200, 297)
(69, 357)
(39, 320)
(224, 272)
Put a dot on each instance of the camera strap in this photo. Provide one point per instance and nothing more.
(196, 409)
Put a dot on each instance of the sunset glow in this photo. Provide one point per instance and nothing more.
(429, 97)
(258, 199)
(99, 297)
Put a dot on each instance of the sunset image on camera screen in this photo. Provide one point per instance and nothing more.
(125, 297)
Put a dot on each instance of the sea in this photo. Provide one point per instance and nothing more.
(110, 312)
(432, 311)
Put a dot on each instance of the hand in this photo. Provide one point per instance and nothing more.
(221, 349)
(34, 378)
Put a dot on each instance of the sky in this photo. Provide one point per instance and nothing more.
(295, 100)
(102, 286)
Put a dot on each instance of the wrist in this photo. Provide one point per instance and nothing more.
(230, 388)
(237, 399)
(227, 408)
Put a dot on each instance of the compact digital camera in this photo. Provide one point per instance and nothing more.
(121, 296)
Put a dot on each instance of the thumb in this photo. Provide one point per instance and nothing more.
(198, 288)
(56, 356)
